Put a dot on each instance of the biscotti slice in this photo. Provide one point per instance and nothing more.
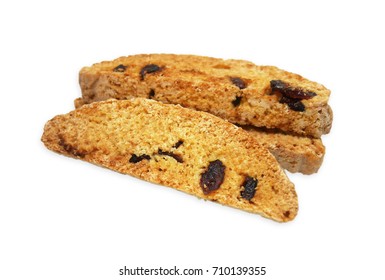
(191, 151)
(294, 153)
(236, 90)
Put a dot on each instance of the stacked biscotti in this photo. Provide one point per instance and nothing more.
(221, 130)
(284, 111)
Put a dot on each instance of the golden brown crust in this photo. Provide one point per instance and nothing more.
(206, 84)
(174, 146)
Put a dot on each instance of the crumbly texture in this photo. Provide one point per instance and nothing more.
(236, 90)
(191, 151)
(294, 153)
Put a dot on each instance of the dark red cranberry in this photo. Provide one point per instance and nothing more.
(151, 94)
(241, 84)
(213, 177)
(237, 101)
(249, 188)
(149, 68)
(120, 68)
(294, 104)
(289, 91)
(177, 144)
(178, 158)
(134, 158)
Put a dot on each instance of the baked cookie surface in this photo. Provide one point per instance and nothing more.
(191, 151)
(236, 90)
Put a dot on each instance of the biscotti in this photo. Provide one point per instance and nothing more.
(191, 151)
(236, 90)
(294, 153)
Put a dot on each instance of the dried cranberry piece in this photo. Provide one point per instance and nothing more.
(213, 177)
(237, 101)
(294, 104)
(151, 94)
(298, 93)
(149, 68)
(120, 68)
(178, 144)
(287, 214)
(249, 188)
(278, 85)
(297, 106)
(289, 91)
(178, 158)
(135, 159)
(241, 84)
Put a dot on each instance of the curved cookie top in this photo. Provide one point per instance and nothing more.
(236, 90)
(256, 79)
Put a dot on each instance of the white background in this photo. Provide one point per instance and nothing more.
(62, 218)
